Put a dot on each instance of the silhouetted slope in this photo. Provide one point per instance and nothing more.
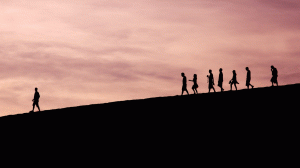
(244, 127)
(246, 104)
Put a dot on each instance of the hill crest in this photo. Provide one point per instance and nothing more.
(258, 99)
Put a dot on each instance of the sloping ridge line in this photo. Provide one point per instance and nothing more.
(257, 99)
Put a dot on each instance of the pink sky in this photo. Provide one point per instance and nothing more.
(96, 51)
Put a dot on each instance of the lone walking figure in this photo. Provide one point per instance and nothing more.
(274, 75)
(36, 100)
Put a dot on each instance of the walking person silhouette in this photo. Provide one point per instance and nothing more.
(274, 75)
(248, 78)
(184, 84)
(220, 81)
(210, 81)
(233, 81)
(195, 86)
(36, 100)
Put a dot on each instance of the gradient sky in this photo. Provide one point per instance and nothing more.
(80, 52)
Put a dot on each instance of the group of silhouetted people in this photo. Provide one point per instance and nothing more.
(233, 81)
(210, 79)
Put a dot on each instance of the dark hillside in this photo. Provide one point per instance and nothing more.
(254, 105)
(238, 128)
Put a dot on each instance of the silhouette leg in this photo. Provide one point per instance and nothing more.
(33, 107)
(235, 86)
(38, 107)
(221, 89)
(214, 89)
(183, 91)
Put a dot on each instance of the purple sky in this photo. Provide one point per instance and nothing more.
(96, 51)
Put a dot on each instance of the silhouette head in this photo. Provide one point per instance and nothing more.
(220, 69)
(36, 89)
(210, 71)
(247, 68)
(182, 74)
(195, 75)
(234, 72)
(272, 67)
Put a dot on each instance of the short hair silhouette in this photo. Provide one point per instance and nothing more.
(233, 81)
(36, 100)
(184, 86)
(210, 81)
(220, 81)
(274, 75)
(248, 78)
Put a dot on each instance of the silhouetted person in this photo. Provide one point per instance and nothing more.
(195, 86)
(248, 78)
(184, 84)
(36, 100)
(210, 81)
(220, 81)
(274, 75)
(233, 81)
